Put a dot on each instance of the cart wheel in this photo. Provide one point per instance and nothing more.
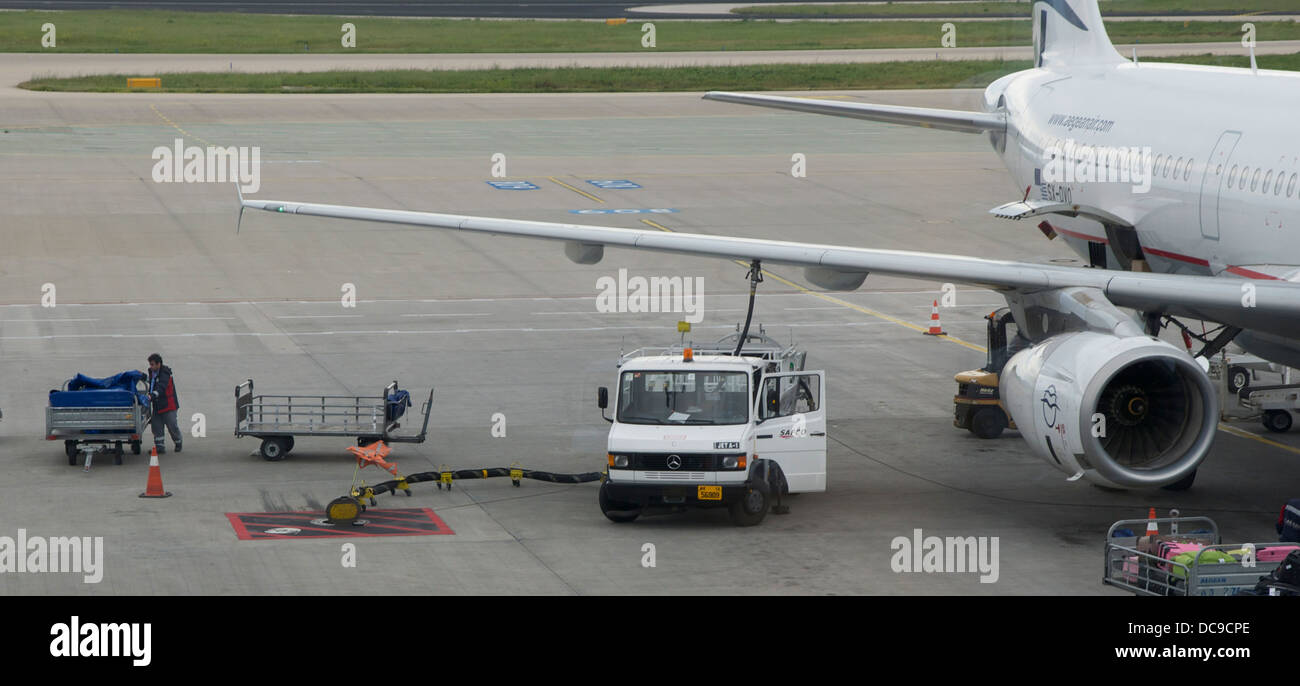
(288, 443)
(135, 447)
(272, 449)
(117, 455)
(70, 449)
(1277, 421)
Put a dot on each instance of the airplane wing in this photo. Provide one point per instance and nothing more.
(950, 120)
(1266, 306)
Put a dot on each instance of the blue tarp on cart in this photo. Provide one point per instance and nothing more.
(111, 391)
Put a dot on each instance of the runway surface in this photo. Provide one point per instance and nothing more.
(511, 327)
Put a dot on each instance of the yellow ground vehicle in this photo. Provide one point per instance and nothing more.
(978, 405)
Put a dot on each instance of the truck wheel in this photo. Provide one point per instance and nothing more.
(288, 443)
(1181, 484)
(616, 512)
(1277, 421)
(70, 449)
(272, 449)
(1238, 378)
(988, 422)
(135, 447)
(751, 508)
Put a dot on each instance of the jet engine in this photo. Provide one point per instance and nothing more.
(1124, 412)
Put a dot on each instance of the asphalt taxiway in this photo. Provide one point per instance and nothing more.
(511, 327)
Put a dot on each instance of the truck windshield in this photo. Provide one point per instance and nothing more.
(684, 398)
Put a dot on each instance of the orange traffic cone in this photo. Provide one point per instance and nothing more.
(935, 329)
(154, 488)
(1152, 528)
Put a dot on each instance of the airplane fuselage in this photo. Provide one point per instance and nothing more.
(1218, 195)
(1224, 192)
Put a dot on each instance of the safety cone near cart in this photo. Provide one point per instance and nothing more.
(1152, 528)
(154, 488)
(935, 328)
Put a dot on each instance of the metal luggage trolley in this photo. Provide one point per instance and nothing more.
(277, 419)
(88, 430)
(1145, 574)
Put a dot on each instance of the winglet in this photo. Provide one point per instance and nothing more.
(240, 220)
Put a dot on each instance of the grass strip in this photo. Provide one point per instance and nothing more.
(886, 75)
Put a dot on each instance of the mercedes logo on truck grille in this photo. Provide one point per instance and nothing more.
(674, 462)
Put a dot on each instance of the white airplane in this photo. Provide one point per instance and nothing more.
(1202, 228)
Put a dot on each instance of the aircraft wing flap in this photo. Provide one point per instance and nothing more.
(1035, 208)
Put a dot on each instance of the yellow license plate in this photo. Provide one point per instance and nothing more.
(709, 492)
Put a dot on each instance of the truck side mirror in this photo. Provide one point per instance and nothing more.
(602, 397)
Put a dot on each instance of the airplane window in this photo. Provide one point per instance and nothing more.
(1245, 176)
(1232, 176)
(1268, 181)
(1178, 168)
(1254, 179)
(1187, 173)
(1277, 187)
(1290, 186)
(1155, 168)
(1169, 162)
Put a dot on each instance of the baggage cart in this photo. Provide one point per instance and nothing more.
(91, 429)
(279, 419)
(1147, 574)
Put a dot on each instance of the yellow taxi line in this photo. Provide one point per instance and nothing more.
(577, 190)
(1260, 439)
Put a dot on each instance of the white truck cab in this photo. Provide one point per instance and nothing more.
(698, 427)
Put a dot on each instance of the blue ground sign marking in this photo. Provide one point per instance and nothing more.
(657, 210)
(513, 185)
(613, 184)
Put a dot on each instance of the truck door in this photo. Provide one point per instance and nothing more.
(792, 427)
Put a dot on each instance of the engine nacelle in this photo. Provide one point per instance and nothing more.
(1126, 412)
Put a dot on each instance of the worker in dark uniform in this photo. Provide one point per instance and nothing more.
(1288, 522)
(162, 393)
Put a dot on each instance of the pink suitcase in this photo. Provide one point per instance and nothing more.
(1169, 550)
(1130, 568)
(1275, 553)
